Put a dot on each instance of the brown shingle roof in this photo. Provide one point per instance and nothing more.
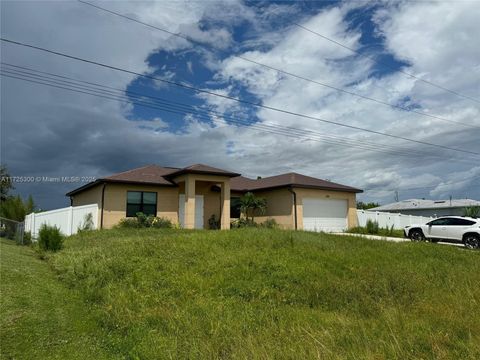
(290, 179)
(202, 169)
(147, 174)
(154, 174)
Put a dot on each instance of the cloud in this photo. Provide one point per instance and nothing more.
(51, 132)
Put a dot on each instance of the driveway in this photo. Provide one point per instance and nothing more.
(389, 238)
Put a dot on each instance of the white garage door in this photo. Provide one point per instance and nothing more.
(198, 211)
(329, 215)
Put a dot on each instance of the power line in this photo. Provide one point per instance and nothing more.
(281, 71)
(477, 177)
(260, 105)
(37, 74)
(289, 131)
(386, 64)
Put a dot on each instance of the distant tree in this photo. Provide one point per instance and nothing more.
(365, 206)
(250, 205)
(5, 184)
(14, 208)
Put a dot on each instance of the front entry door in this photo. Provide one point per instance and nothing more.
(198, 211)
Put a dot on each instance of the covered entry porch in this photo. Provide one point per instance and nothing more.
(203, 192)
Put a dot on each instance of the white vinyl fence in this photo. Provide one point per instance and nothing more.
(385, 219)
(68, 219)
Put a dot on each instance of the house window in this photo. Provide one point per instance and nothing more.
(235, 207)
(141, 201)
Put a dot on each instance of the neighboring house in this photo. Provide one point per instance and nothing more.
(435, 208)
(191, 195)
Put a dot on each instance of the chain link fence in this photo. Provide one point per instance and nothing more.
(13, 230)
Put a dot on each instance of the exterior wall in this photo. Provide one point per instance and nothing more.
(90, 196)
(279, 202)
(115, 207)
(279, 207)
(211, 199)
(325, 194)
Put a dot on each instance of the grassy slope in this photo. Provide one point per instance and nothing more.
(39, 317)
(275, 294)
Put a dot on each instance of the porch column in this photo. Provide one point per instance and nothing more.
(225, 203)
(189, 222)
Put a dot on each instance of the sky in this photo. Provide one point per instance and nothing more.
(412, 71)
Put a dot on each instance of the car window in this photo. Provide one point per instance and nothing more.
(439, 222)
(462, 222)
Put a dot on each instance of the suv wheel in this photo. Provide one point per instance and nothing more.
(417, 235)
(471, 241)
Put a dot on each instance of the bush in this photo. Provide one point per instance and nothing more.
(50, 238)
(87, 223)
(269, 224)
(213, 223)
(372, 227)
(161, 223)
(144, 221)
(242, 223)
(27, 238)
(471, 211)
(249, 223)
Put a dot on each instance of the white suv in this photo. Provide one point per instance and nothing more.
(449, 228)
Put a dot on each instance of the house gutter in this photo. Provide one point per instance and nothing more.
(294, 205)
(103, 202)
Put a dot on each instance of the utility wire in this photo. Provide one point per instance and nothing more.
(36, 74)
(281, 71)
(260, 105)
(477, 177)
(261, 127)
(290, 132)
(386, 64)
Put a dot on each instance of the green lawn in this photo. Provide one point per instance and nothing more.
(242, 294)
(39, 317)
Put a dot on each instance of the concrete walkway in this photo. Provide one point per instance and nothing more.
(389, 238)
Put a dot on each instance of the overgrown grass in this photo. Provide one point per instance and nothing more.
(40, 318)
(380, 232)
(259, 293)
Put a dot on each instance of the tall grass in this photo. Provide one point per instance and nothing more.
(260, 293)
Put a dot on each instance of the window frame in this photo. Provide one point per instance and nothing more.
(141, 203)
(448, 222)
(466, 222)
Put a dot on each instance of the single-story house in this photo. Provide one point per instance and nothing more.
(435, 208)
(191, 195)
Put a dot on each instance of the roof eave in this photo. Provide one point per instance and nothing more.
(186, 171)
(102, 181)
(350, 190)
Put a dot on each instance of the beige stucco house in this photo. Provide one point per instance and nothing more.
(191, 195)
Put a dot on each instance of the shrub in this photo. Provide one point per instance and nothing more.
(27, 238)
(144, 221)
(269, 224)
(213, 223)
(87, 223)
(243, 223)
(471, 211)
(129, 223)
(50, 238)
(372, 227)
(161, 223)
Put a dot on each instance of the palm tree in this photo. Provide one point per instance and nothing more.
(250, 204)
